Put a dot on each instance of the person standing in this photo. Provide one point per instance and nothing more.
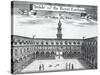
(43, 67)
(40, 68)
(72, 66)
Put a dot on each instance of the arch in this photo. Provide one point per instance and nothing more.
(47, 53)
(70, 52)
(26, 42)
(52, 43)
(74, 43)
(16, 61)
(56, 43)
(37, 53)
(15, 43)
(37, 43)
(24, 57)
(70, 43)
(75, 52)
(66, 42)
(20, 59)
(52, 53)
(42, 43)
(20, 42)
(42, 53)
(46, 43)
(61, 43)
(63, 53)
(78, 42)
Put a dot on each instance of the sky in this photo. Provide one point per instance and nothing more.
(43, 25)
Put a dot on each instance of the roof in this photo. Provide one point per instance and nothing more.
(43, 38)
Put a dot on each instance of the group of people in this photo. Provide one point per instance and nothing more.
(69, 66)
(41, 67)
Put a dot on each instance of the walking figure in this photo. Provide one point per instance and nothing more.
(40, 67)
(72, 66)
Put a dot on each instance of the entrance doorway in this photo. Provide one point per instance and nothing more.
(59, 55)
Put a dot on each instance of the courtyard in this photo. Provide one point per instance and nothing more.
(59, 63)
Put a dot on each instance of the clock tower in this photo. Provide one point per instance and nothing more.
(59, 33)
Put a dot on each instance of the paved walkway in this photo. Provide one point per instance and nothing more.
(51, 65)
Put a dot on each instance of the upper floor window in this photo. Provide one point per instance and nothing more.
(47, 43)
(70, 43)
(78, 42)
(15, 43)
(74, 43)
(66, 42)
(52, 43)
(42, 43)
(20, 42)
(57, 43)
(26, 42)
(37, 43)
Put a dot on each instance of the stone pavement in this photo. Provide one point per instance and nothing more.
(52, 65)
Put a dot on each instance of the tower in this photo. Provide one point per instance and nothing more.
(59, 33)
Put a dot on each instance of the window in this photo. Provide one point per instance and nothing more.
(37, 53)
(42, 43)
(37, 43)
(26, 42)
(61, 43)
(52, 53)
(70, 43)
(78, 42)
(15, 43)
(20, 42)
(33, 42)
(66, 42)
(47, 43)
(31, 6)
(57, 43)
(74, 43)
(52, 43)
(42, 53)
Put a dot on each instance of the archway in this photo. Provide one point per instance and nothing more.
(37, 54)
(52, 53)
(42, 54)
(47, 54)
